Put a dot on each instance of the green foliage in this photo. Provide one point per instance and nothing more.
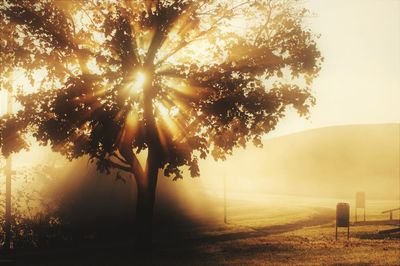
(218, 75)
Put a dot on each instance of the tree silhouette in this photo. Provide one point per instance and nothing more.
(173, 80)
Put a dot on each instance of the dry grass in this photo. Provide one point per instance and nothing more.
(305, 237)
(307, 246)
(314, 245)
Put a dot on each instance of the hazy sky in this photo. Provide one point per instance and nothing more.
(360, 80)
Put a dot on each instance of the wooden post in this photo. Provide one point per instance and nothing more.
(360, 203)
(336, 231)
(225, 218)
(356, 213)
(8, 174)
(364, 214)
(391, 212)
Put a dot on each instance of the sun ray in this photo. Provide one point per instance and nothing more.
(136, 86)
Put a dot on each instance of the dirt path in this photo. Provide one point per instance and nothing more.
(323, 216)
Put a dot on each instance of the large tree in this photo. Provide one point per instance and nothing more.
(174, 81)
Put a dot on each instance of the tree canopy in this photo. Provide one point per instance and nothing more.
(187, 79)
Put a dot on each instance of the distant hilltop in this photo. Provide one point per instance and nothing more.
(328, 162)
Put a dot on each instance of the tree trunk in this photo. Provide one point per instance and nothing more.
(7, 227)
(147, 182)
(8, 172)
(144, 216)
(146, 195)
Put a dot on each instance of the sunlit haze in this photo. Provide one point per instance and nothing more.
(359, 81)
(138, 81)
(197, 132)
(358, 84)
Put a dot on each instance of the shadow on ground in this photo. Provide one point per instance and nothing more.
(172, 249)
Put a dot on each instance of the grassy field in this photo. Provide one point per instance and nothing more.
(262, 210)
(273, 230)
(282, 245)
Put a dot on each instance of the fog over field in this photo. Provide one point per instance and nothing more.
(324, 162)
(286, 180)
(200, 132)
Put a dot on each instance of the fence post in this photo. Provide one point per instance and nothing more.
(8, 174)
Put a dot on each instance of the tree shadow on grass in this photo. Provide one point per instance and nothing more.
(374, 235)
(323, 216)
(172, 249)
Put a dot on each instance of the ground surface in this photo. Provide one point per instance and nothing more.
(256, 234)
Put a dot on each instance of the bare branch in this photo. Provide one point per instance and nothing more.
(121, 167)
(117, 156)
(132, 159)
(184, 43)
(265, 24)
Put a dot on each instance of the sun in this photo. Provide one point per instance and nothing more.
(138, 81)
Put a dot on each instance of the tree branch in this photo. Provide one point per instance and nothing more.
(35, 23)
(184, 43)
(122, 160)
(132, 159)
(121, 167)
(265, 24)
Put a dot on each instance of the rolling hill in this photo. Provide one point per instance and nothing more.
(331, 162)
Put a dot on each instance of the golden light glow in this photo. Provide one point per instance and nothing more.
(181, 86)
(162, 109)
(93, 67)
(138, 82)
(168, 116)
(251, 174)
(20, 79)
